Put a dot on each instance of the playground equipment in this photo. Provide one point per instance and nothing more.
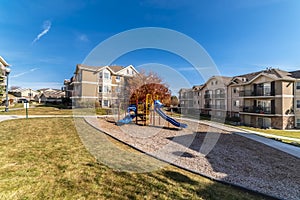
(132, 110)
(157, 106)
(145, 112)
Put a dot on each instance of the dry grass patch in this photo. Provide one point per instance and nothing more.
(45, 159)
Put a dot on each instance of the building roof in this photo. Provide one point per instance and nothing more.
(116, 68)
(295, 74)
(22, 90)
(225, 79)
(3, 62)
(197, 87)
(270, 72)
(53, 93)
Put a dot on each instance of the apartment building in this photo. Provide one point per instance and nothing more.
(186, 100)
(215, 96)
(268, 98)
(103, 84)
(296, 75)
(260, 94)
(3, 66)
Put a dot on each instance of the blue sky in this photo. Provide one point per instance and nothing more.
(44, 40)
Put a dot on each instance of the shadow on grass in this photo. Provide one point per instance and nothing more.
(178, 177)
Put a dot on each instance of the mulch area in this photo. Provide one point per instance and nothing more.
(214, 153)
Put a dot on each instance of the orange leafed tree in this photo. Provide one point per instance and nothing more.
(148, 83)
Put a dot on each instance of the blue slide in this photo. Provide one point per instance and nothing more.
(129, 117)
(157, 106)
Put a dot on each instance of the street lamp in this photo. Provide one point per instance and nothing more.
(7, 71)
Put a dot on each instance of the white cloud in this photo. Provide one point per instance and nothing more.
(83, 38)
(46, 28)
(23, 73)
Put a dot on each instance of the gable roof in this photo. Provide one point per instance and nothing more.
(295, 74)
(116, 68)
(4, 62)
(112, 69)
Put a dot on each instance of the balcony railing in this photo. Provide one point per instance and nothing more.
(255, 93)
(219, 96)
(207, 96)
(208, 106)
(258, 109)
(221, 107)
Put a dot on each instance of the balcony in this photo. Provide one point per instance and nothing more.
(207, 96)
(208, 106)
(258, 110)
(255, 93)
(219, 96)
(221, 107)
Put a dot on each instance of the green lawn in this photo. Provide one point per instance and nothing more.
(45, 159)
(52, 110)
(286, 133)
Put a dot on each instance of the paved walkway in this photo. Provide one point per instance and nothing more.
(253, 135)
(10, 117)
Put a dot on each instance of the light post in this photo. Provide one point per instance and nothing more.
(7, 71)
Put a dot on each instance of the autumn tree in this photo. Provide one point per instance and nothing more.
(148, 83)
(174, 101)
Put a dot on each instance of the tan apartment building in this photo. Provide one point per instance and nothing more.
(296, 75)
(214, 98)
(268, 98)
(3, 67)
(186, 100)
(102, 84)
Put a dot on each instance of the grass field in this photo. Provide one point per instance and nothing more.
(293, 134)
(52, 110)
(45, 159)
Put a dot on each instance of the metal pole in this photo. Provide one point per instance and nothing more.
(27, 110)
(6, 102)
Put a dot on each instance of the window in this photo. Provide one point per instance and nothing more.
(105, 103)
(298, 85)
(100, 75)
(298, 103)
(106, 75)
(118, 78)
(106, 88)
(236, 103)
(100, 88)
(216, 82)
(298, 123)
(235, 90)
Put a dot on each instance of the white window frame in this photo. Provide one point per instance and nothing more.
(236, 103)
(298, 104)
(106, 75)
(298, 123)
(298, 85)
(106, 103)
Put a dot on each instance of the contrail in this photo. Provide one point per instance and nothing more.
(46, 27)
(21, 74)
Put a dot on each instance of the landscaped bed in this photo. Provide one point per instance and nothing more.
(233, 159)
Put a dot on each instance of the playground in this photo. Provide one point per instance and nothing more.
(148, 113)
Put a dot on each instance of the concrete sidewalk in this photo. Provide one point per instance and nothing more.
(290, 149)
